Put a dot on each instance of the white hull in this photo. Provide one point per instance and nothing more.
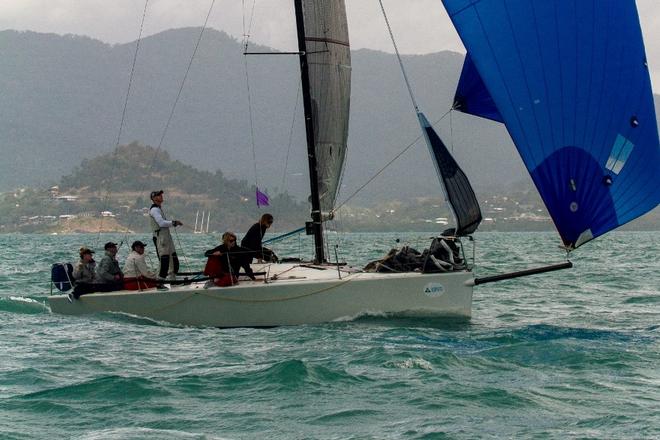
(299, 295)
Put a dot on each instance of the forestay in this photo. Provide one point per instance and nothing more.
(570, 81)
(329, 61)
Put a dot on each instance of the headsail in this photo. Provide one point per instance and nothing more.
(570, 81)
(329, 63)
(458, 190)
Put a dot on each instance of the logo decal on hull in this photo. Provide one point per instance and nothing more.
(434, 289)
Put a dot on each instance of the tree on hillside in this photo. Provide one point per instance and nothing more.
(110, 180)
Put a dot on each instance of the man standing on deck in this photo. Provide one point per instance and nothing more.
(162, 237)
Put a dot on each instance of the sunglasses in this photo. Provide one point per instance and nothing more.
(233, 240)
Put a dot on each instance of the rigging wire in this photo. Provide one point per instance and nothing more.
(398, 56)
(183, 82)
(123, 117)
(451, 130)
(338, 227)
(288, 149)
(178, 96)
(251, 118)
(185, 257)
(386, 165)
(248, 31)
(246, 40)
(412, 97)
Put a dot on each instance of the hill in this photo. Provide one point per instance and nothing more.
(111, 192)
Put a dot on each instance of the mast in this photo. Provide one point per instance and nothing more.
(317, 224)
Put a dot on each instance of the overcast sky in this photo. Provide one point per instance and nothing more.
(420, 26)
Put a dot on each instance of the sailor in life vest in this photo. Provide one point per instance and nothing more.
(169, 262)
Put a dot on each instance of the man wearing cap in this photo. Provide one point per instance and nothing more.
(162, 237)
(108, 271)
(136, 272)
(84, 272)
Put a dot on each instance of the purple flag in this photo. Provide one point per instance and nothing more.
(262, 199)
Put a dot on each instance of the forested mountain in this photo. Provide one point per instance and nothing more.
(63, 98)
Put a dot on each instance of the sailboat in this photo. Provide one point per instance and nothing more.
(595, 168)
(200, 229)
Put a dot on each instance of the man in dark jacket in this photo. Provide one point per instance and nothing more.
(90, 278)
(253, 238)
(108, 271)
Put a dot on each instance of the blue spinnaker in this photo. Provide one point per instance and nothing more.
(472, 96)
(570, 81)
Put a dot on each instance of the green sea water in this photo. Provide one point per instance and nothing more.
(570, 354)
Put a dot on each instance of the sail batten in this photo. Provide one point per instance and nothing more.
(569, 80)
(327, 40)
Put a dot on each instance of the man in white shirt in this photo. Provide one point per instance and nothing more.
(137, 275)
(162, 237)
(135, 265)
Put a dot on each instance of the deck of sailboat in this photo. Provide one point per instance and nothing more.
(290, 294)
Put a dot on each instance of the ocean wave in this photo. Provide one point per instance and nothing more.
(144, 433)
(643, 299)
(128, 318)
(545, 332)
(288, 375)
(22, 305)
(345, 415)
(107, 388)
(410, 363)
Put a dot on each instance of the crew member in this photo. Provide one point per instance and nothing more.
(108, 271)
(226, 260)
(84, 274)
(162, 237)
(253, 237)
(136, 272)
